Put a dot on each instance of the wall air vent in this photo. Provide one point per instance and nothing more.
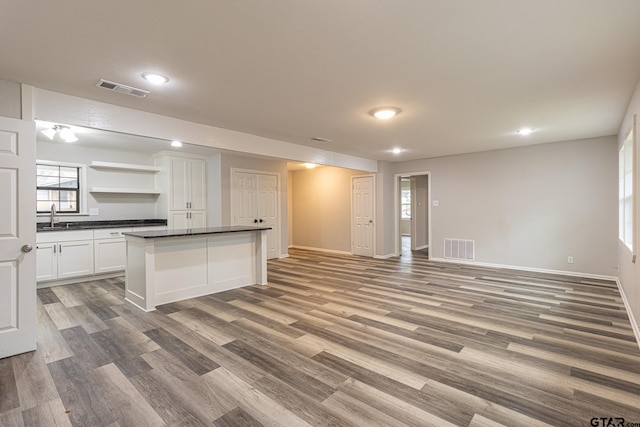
(120, 88)
(464, 250)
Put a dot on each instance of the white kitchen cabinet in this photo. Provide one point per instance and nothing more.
(64, 254)
(46, 261)
(75, 258)
(187, 219)
(187, 184)
(183, 198)
(110, 250)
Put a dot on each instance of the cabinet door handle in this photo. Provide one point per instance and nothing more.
(60, 248)
(54, 248)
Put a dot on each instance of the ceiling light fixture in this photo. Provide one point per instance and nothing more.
(155, 78)
(525, 131)
(64, 132)
(176, 144)
(310, 165)
(396, 150)
(385, 113)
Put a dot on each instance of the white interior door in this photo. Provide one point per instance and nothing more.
(245, 198)
(268, 212)
(362, 205)
(255, 202)
(17, 237)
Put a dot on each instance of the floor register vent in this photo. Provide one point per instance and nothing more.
(461, 249)
(120, 88)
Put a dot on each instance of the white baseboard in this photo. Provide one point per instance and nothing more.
(532, 269)
(72, 280)
(283, 256)
(310, 248)
(387, 256)
(627, 306)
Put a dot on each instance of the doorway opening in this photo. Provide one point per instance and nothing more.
(413, 215)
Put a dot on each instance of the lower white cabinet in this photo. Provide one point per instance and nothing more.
(110, 250)
(64, 254)
(67, 254)
(46, 261)
(187, 219)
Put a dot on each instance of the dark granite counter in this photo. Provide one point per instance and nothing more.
(193, 231)
(90, 225)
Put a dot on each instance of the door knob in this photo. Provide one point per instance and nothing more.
(27, 248)
(255, 221)
(261, 220)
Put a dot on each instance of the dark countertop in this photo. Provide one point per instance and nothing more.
(193, 231)
(90, 225)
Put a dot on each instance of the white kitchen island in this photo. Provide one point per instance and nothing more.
(173, 265)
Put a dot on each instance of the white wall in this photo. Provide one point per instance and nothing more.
(630, 272)
(110, 206)
(532, 206)
(239, 161)
(385, 205)
(321, 211)
(10, 102)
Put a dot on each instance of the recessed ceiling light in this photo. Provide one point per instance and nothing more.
(155, 78)
(525, 131)
(385, 113)
(310, 165)
(396, 150)
(176, 144)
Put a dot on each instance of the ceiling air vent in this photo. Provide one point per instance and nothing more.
(318, 139)
(120, 88)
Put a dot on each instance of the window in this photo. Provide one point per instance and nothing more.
(58, 184)
(405, 203)
(625, 192)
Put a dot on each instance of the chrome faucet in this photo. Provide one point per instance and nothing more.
(53, 215)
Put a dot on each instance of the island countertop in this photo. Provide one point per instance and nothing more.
(193, 231)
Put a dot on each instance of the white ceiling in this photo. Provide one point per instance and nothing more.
(467, 74)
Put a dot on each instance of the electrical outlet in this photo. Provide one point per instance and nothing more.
(93, 211)
(570, 259)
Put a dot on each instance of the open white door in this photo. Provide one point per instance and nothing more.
(17, 237)
(362, 194)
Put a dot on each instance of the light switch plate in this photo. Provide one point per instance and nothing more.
(435, 202)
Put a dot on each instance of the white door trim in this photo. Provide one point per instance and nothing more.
(373, 211)
(396, 209)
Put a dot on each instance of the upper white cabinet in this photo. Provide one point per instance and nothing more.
(187, 184)
(183, 183)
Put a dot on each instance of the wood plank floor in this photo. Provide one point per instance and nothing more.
(334, 340)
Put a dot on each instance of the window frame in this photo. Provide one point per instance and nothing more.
(82, 187)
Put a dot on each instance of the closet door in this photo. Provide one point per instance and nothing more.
(255, 202)
(245, 199)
